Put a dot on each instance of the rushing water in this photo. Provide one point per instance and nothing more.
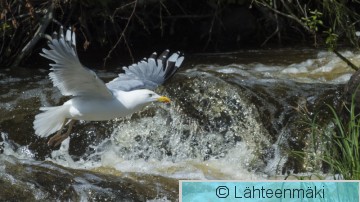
(232, 116)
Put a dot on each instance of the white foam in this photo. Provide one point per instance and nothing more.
(232, 166)
(342, 79)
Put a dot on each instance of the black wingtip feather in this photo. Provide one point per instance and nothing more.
(171, 69)
(162, 57)
(153, 55)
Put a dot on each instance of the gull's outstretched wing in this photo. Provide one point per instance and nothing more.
(148, 73)
(68, 74)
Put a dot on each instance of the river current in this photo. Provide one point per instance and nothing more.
(233, 116)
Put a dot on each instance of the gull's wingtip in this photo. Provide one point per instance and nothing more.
(179, 61)
(68, 34)
(61, 31)
(73, 39)
(177, 57)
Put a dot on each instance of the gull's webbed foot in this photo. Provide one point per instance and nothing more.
(58, 138)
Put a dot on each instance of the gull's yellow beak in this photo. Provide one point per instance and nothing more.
(163, 99)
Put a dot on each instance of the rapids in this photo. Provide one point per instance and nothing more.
(233, 116)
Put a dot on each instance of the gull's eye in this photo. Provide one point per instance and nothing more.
(150, 94)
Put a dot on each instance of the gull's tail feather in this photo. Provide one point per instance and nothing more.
(50, 121)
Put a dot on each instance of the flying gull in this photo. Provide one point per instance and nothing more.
(92, 99)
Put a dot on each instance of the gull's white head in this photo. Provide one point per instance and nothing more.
(146, 96)
(140, 98)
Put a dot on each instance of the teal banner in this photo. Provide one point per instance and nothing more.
(269, 191)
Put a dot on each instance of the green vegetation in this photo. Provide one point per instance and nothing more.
(331, 39)
(344, 154)
(313, 22)
(203, 25)
(334, 148)
(317, 18)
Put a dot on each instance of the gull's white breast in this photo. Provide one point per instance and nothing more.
(96, 109)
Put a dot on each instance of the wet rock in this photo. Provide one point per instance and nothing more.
(221, 111)
(44, 181)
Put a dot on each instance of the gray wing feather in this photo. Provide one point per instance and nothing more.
(148, 73)
(68, 74)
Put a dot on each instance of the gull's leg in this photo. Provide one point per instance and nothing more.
(58, 138)
(57, 135)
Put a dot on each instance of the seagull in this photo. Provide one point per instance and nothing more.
(92, 99)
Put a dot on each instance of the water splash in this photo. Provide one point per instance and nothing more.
(222, 128)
